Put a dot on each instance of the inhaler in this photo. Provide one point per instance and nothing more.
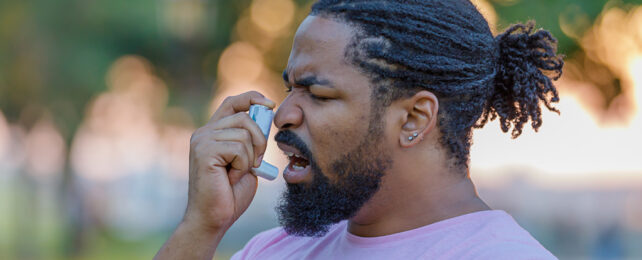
(262, 115)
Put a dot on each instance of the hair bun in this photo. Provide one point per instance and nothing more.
(526, 65)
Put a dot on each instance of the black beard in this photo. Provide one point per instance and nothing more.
(311, 209)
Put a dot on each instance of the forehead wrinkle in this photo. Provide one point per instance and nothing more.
(320, 47)
(298, 68)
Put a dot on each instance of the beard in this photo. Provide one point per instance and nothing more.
(310, 209)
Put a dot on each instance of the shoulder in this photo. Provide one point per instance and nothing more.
(504, 238)
(510, 250)
(490, 235)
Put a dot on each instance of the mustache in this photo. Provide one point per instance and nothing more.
(290, 138)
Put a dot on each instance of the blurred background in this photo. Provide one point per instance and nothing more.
(98, 100)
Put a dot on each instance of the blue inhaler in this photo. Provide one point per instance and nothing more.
(263, 116)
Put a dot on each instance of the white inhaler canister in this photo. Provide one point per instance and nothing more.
(263, 116)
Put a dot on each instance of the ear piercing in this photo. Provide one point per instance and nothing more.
(412, 137)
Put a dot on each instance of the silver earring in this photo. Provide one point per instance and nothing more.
(412, 137)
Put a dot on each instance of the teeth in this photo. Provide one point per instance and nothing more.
(290, 154)
(297, 167)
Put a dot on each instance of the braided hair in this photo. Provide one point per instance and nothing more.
(447, 48)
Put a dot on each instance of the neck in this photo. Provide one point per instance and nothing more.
(423, 202)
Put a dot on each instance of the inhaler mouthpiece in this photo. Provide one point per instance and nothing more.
(263, 116)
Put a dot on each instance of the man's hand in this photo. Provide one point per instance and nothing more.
(220, 185)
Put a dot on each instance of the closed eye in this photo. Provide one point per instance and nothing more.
(288, 89)
(318, 98)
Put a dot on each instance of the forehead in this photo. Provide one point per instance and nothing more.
(318, 34)
(319, 49)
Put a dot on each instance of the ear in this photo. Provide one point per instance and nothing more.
(420, 117)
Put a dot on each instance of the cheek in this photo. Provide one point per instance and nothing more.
(336, 137)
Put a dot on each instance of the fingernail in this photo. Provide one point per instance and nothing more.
(258, 161)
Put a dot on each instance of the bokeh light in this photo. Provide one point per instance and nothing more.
(46, 150)
(240, 63)
(184, 18)
(272, 16)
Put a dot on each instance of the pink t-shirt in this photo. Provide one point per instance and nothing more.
(491, 234)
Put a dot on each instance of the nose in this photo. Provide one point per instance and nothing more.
(289, 114)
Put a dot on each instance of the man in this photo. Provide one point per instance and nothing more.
(377, 126)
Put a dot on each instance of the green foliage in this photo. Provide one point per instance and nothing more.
(54, 55)
(547, 15)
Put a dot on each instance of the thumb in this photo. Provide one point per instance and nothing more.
(235, 175)
(244, 191)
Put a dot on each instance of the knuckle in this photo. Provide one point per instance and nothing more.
(245, 134)
(255, 93)
(228, 99)
(194, 138)
(261, 141)
(197, 148)
(242, 116)
(211, 167)
(248, 121)
(237, 147)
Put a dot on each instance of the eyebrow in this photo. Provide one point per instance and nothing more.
(307, 81)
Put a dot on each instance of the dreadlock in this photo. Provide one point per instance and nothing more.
(446, 47)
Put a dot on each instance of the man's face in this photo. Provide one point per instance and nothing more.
(327, 123)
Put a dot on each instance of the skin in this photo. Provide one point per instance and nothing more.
(419, 188)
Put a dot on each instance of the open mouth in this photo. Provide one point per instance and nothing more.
(299, 169)
(297, 162)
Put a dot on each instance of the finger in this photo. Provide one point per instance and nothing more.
(235, 175)
(240, 135)
(243, 120)
(233, 154)
(246, 183)
(240, 103)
